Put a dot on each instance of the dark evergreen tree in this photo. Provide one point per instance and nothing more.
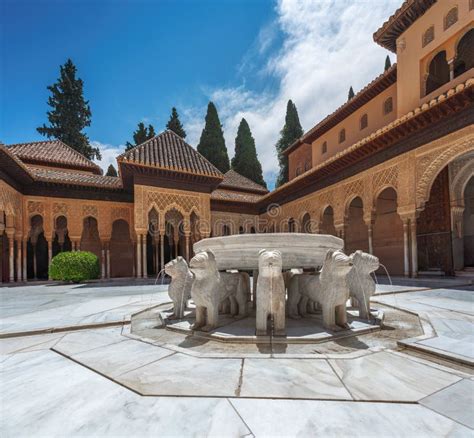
(212, 143)
(388, 63)
(111, 171)
(70, 112)
(245, 160)
(288, 135)
(174, 124)
(141, 135)
(351, 94)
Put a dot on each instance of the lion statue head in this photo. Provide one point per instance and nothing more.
(177, 267)
(203, 264)
(270, 258)
(365, 263)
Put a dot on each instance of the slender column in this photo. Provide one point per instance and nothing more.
(108, 258)
(451, 68)
(50, 254)
(24, 249)
(186, 237)
(11, 260)
(176, 241)
(145, 274)
(406, 250)
(162, 250)
(414, 249)
(34, 260)
(18, 260)
(370, 237)
(102, 269)
(157, 254)
(139, 255)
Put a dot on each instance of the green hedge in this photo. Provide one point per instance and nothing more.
(74, 266)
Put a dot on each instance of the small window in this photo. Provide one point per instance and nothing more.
(342, 135)
(451, 18)
(388, 106)
(364, 122)
(428, 36)
(298, 171)
(471, 5)
(307, 166)
(324, 148)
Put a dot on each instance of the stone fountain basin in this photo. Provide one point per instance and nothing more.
(299, 250)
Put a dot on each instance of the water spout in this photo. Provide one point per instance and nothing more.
(388, 275)
(162, 276)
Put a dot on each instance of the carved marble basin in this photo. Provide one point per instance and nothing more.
(240, 251)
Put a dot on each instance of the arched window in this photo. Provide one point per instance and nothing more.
(364, 121)
(324, 147)
(342, 135)
(451, 17)
(388, 106)
(464, 54)
(428, 36)
(291, 225)
(438, 72)
(307, 165)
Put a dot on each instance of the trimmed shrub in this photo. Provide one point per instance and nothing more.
(74, 266)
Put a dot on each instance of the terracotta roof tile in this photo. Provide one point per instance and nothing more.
(169, 151)
(235, 180)
(228, 195)
(75, 178)
(53, 152)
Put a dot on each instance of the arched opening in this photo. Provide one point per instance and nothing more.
(252, 230)
(388, 232)
(90, 240)
(195, 232)
(121, 250)
(327, 221)
(433, 228)
(174, 244)
(306, 223)
(241, 230)
(356, 235)
(468, 224)
(37, 250)
(225, 230)
(438, 72)
(153, 243)
(291, 225)
(61, 240)
(464, 54)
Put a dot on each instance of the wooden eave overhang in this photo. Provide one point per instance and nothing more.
(370, 91)
(12, 170)
(448, 112)
(400, 21)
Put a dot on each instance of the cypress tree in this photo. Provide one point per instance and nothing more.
(141, 135)
(212, 143)
(245, 160)
(388, 63)
(290, 132)
(351, 94)
(111, 171)
(70, 112)
(174, 124)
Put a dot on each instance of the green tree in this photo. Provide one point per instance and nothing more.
(141, 135)
(351, 94)
(111, 171)
(70, 112)
(245, 160)
(175, 125)
(212, 143)
(388, 63)
(288, 135)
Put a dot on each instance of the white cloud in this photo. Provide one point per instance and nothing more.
(109, 154)
(327, 47)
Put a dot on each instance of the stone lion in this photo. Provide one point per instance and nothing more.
(329, 290)
(179, 289)
(211, 288)
(360, 282)
(270, 292)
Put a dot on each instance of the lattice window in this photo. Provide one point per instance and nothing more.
(388, 106)
(324, 147)
(451, 18)
(364, 122)
(428, 36)
(307, 166)
(342, 135)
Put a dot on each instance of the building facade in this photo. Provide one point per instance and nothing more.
(391, 172)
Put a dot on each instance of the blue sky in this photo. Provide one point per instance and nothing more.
(140, 58)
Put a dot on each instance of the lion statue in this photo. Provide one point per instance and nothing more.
(360, 282)
(270, 292)
(210, 288)
(329, 290)
(179, 289)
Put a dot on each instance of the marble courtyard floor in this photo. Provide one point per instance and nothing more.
(74, 362)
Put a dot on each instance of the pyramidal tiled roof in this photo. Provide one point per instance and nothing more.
(169, 151)
(53, 152)
(236, 181)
